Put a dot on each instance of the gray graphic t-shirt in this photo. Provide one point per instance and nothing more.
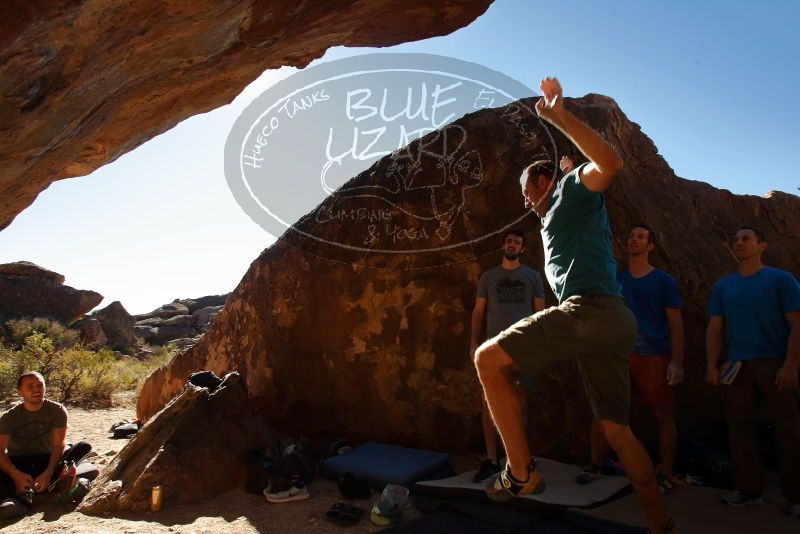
(32, 432)
(509, 296)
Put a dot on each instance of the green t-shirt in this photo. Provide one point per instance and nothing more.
(577, 241)
(32, 432)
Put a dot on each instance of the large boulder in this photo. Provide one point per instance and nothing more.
(83, 83)
(186, 449)
(165, 312)
(27, 268)
(117, 324)
(179, 320)
(91, 332)
(375, 346)
(27, 290)
(204, 316)
(162, 334)
(203, 302)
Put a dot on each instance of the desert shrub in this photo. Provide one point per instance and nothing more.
(20, 329)
(73, 373)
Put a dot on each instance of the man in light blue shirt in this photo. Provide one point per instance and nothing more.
(755, 315)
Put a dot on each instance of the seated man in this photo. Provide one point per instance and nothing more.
(32, 444)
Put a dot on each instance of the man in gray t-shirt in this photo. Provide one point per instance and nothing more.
(506, 293)
(33, 444)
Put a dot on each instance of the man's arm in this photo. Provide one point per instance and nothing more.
(675, 369)
(604, 161)
(41, 482)
(538, 304)
(478, 313)
(787, 376)
(22, 481)
(714, 341)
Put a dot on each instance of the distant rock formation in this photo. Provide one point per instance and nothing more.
(83, 83)
(181, 320)
(27, 290)
(375, 346)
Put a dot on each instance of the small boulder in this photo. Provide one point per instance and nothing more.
(91, 332)
(179, 320)
(195, 448)
(165, 312)
(152, 321)
(118, 325)
(206, 315)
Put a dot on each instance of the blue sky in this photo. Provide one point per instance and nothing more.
(713, 84)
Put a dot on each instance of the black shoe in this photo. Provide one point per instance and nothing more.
(589, 474)
(487, 469)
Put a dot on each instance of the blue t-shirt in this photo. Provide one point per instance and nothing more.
(577, 241)
(648, 298)
(754, 309)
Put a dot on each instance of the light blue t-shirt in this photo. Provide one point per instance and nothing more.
(754, 309)
(648, 298)
(577, 241)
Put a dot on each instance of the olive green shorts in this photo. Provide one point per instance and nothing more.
(597, 331)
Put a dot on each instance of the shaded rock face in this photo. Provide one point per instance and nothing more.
(165, 312)
(91, 331)
(375, 346)
(186, 449)
(82, 83)
(27, 290)
(27, 268)
(117, 324)
(193, 305)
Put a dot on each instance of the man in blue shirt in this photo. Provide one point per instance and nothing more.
(755, 315)
(590, 325)
(657, 360)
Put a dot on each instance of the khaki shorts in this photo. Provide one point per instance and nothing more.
(597, 331)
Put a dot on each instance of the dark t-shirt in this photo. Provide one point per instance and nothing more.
(509, 296)
(32, 432)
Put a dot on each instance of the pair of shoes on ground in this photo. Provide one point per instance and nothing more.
(11, 507)
(344, 514)
(503, 487)
(737, 498)
(286, 489)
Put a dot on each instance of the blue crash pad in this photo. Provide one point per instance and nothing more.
(381, 464)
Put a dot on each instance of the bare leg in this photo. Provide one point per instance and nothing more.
(667, 441)
(494, 367)
(489, 432)
(639, 469)
(598, 444)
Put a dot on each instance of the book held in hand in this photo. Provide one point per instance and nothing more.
(728, 372)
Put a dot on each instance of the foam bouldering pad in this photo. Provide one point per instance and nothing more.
(381, 464)
(561, 487)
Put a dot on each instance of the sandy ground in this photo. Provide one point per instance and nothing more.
(234, 512)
